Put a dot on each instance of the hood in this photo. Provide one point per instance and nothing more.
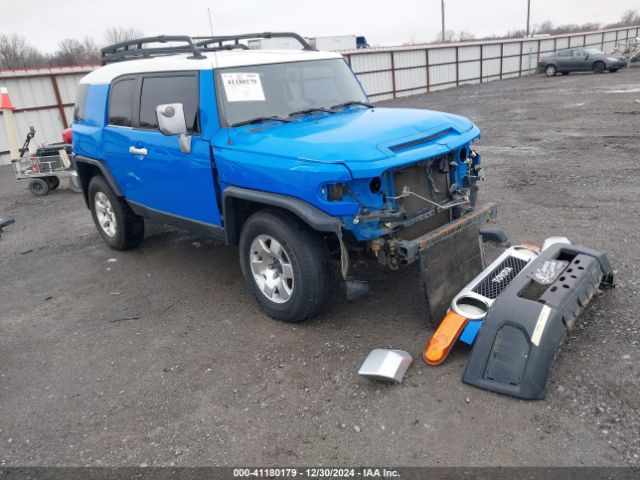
(357, 136)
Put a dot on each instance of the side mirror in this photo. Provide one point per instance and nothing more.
(171, 121)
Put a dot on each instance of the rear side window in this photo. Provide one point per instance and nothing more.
(121, 101)
(158, 90)
(81, 100)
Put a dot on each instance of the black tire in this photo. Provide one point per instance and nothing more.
(54, 182)
(308, 258)
(550, 70)
(599, 67)
(613, 70)
(129, 227)
(38, 187)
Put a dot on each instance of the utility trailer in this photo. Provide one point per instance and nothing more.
(45, 168)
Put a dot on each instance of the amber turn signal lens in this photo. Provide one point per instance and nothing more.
(444, 338)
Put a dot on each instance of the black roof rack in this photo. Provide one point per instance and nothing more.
(135, 49)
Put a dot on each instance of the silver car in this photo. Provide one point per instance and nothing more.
(580, 60)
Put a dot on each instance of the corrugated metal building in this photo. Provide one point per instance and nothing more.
(44, 97)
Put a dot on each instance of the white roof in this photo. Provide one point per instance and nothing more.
(221, 59)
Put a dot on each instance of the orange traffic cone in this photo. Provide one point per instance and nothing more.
(10, 126)
(5, 101)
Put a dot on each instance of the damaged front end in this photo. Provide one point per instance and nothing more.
(427, 196)
(422, 211)
(398, 207)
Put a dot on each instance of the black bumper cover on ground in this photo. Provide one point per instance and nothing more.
(528, 321)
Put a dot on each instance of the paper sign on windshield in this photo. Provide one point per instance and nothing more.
(243, 87)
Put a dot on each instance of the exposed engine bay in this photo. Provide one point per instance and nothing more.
(427, 197)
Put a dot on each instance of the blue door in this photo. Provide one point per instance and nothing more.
(149, 166)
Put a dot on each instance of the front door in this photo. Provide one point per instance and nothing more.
(564, 60)
(148, 165)
(579, 60)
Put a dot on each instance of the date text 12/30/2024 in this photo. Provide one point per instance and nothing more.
(315, 473)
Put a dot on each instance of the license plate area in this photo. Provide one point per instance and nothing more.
(448, 266)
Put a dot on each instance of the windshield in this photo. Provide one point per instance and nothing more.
(277, 90)
(593, 51)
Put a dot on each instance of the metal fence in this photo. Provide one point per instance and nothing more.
(44, 97)
(387, 73)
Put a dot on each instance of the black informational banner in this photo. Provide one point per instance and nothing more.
(412, 473)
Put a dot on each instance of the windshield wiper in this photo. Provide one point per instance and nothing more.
(261, 120)
(311, 110)
(350, 103)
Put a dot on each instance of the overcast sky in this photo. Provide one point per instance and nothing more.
(46, 22)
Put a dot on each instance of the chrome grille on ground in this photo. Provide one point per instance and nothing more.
(497, 281)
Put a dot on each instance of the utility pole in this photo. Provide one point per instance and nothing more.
(528, 15)
(210, 21)
(443, 36)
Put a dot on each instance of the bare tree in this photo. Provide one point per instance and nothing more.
(465, 36)
(449, 36)
(74, 52)
(120, 34)
(544, 27)
(91, 51)
(70, 52)
(630, 18)
(15, 52)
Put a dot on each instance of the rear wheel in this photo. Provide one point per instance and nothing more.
(550, 70)
(599, 67)
(118, 226)
(39, 187)
(285, 266)
(54, 182)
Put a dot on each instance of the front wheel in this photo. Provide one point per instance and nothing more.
(550, 71)
(599, 67)
(285, 266)
(118, 226)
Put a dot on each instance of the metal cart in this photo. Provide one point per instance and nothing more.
(45, 168)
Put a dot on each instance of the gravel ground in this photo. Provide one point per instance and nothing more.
(202, 377)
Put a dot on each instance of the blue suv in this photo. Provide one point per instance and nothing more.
(278, 152)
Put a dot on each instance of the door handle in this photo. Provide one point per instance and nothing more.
(137, 151)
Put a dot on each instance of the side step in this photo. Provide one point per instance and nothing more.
(528, 321)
